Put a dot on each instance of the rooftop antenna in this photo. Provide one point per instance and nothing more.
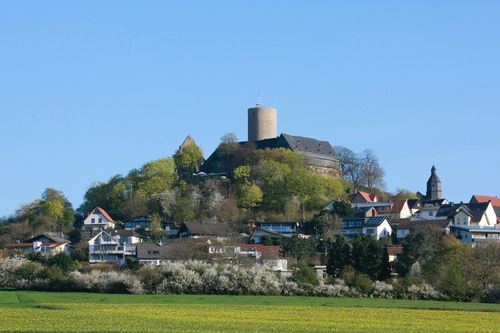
(258, 98)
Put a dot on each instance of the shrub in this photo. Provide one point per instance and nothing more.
(382, 290)
(9, 268)
(423, 291)
(306, 276)
(112, 282)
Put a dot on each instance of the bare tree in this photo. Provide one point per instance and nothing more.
(350, 164)
(483, 264)
(372, 174)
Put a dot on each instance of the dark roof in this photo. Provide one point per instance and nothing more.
(151, 251)
(51, 238)
(395, 222)
(497, 212)
(365, 222)
(174, 249)
(375, 221)
(477, 210)
(127, 233)
(142, 218)
(209, 229)
(435, 202)
(361, 211)
(413, 202)
(309, 145)
(434, 177)
(443, 223)
(474, 210)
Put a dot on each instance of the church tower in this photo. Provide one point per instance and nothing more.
(434, 191)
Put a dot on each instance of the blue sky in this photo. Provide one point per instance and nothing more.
(90, 89)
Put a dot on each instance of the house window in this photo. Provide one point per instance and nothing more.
(100, 220)
(431, 213)
(93, 220)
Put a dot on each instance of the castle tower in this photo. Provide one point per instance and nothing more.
(262, 123)
(434, 190)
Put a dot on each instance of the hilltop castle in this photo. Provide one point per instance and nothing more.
(262, 133)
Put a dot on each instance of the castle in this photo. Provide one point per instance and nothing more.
(319, 155)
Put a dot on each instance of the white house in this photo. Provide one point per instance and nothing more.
(471, 214)
(438, 225)
(377, 226)
(399, 209)
(98, 220)
(42, 244)
(476, 234)
(113, 247)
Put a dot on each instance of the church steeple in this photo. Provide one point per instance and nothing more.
(434, 190)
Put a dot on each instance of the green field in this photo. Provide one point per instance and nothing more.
(22, 311)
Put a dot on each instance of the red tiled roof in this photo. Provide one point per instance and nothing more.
(394, 250)
(105, 214)
(368, 196)
(398, 205)
(484, 198)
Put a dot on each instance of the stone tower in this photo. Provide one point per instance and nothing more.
(262, 123)
(434, 190)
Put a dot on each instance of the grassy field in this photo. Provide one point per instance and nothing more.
(22, 311)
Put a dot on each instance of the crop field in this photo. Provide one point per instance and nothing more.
(85, 312)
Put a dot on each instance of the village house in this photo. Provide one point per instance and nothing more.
(113, 246)
(377, 226)
(144, 223)
(98, 220)
(272, 229)
(429, 210)
(495, 202)
(363, 197)
(399, 209)
(394, 252)
(476, 234)
(44, 245)
(407, 226)
(472, 214)
(218, 231)
(414, 205)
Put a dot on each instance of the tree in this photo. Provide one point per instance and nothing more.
(229, 138)
(292, 208)
(188, 159)
(482, 264)
(372, 174)
(367, 255)
(339, 256)
(156, 227)
(154, 177)
(63, 261)
(227, 211)
(305, 275)
(385, 268)
(350, 165)
(249, 196)
(303, 184)
(342, 209)
(402, 194)
(299, 248)
(418, 246)
(184, 211)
